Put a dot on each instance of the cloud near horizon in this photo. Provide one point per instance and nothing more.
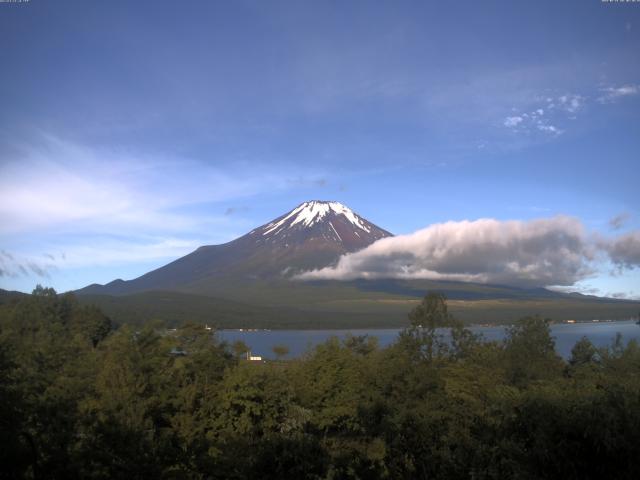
(536, 253)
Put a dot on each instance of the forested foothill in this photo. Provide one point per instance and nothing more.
(80, 398)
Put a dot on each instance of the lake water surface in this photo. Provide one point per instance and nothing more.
(566, 335)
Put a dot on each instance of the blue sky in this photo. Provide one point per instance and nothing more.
(133, 132)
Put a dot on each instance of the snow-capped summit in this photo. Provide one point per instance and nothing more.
(321, 220)
(309, 213)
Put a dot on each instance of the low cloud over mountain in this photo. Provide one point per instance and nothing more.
(554, 251)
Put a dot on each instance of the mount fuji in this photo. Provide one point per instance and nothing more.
(248, 282)
(313, 235)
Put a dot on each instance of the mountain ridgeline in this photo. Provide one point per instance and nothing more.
(313, 235)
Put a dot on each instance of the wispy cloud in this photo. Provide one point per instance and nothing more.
(571, 103)
(124, 251)
(628, 295)
(308, 181)
(105, 207)
(513, 121)
(549, 129)
(13, 266)
(586, 289)
(613, 94)
(619, 221)
(543, 112)
(99, 253)
(578, 288)
(55, 184)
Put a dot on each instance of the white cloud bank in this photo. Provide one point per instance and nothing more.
(554, 251)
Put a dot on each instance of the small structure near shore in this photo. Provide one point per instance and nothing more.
(253, 358)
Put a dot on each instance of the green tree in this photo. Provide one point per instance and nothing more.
(92, 324)
(239, 348)
(46, 292)
(583, 352)
(54, 371)
(19, 453)
(422, 337)
(280, 351)
(431, 313)
(425, 334)
(332, 383)
(530, 351)
(254, 401)
(361, 344)
(126, 427)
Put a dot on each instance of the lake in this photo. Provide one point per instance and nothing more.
(299, 341)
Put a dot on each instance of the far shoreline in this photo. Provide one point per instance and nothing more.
(471, 325)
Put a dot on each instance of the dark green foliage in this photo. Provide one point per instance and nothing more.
(280, 351)
(92, 324)
(583, 353)
(79, 400)
(16, 453)
(422, 338)
(425, 336)
(530, 352)
(362, 344)
(239, 348)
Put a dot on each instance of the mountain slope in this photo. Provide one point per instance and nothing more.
(312, 235)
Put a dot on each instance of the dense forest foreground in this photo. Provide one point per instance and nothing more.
(80, 399)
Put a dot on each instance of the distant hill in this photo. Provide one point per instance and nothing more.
(247, 283)
(175, 308)
(8, 295)
(357, 304)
